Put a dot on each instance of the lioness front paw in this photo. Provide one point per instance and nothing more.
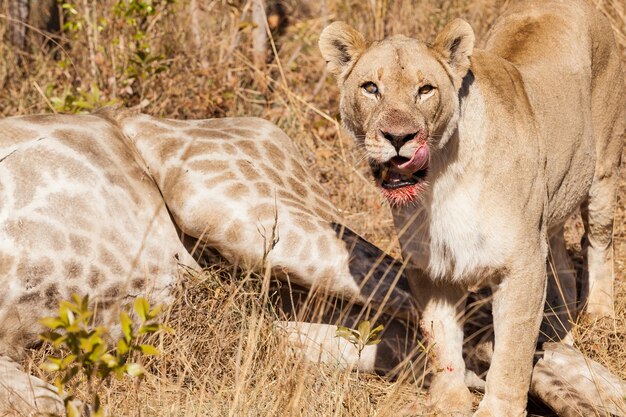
(450, 398)
(499, 408)
(598, 311)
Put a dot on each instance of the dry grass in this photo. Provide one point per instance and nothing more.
(224, 358)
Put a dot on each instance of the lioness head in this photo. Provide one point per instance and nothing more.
(400, 98)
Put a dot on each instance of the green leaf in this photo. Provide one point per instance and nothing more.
(67, 360)
(155, 311)
(348, 334)
(149, 328)
(364, 328)
(97, 353)
(122, 347)
(51, 322)
(149, 350)
(109, 360)
(134, 369)
(127, 326)
(50, 366)
(142, 308)
(374, 336)
(50, 337)
(71, 410)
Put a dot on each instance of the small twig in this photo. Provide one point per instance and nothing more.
(41, 93)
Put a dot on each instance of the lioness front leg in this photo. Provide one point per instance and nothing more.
(441, 306)
(517, 313)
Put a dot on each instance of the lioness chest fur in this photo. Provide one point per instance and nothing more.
(483, 155)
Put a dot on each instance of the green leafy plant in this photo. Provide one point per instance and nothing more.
(139, 17)
(363, 335)
(77, 100)
(85, 356)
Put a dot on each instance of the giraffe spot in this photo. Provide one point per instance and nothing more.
(72, 269)
(233, 233)
(28, 179)
(274, 152)
(248, 147)
(52, 296)
(95, 277)
(28, 297)
(208, 166)
(323, 246)
(201, 148)
(251, 124)
(298, 170)
(298, 188)
(83, 142)
(317, 189)
(305, 251)
(6, 264)
(273, 175)
(29, 233)
(200, 133)
(241, 132)
(17, 132)
(305, 225)
(237, 190)
(33, 272)
(168, 147)
(113, 291)
(149, 129)
(278, 164)
(220, 179)
(214, 124)
(229, 148)
(324, 209)
(248, 170)
(71, 209)
(300, 208)
(80, 245)
(262, 211)
(263, 189)
(138, 284)
(172, 123)
(40, 119)
(172, 179)
(286, 195)
(154, 269)
(107, 258)
(72, 290)
(290, 243)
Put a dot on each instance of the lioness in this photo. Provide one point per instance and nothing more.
(483, 155)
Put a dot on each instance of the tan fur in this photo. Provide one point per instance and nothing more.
(520, 135)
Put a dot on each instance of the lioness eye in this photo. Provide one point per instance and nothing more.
(425, 89)
(370, 88)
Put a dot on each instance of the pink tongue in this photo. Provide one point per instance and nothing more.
(418, 161)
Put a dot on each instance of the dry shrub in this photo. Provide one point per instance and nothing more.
(224, 358)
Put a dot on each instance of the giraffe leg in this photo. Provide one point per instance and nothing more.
(574, 386)
(312, 332)
(560, 308)
(25, 395)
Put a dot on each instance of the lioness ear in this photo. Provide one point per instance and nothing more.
(456, 43)
(341, 45)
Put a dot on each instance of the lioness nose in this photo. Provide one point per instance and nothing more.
(397, 140)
